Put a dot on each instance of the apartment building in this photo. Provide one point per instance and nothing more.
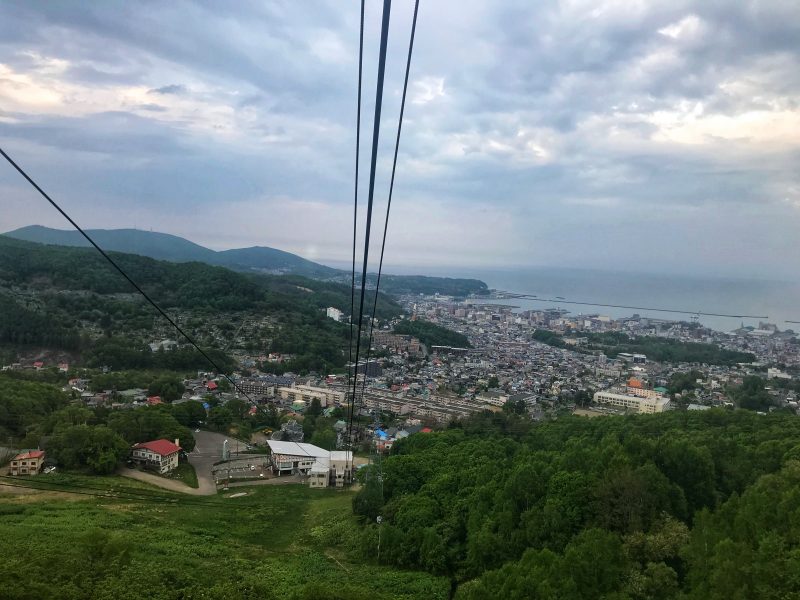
(644, 405)
(307, 393)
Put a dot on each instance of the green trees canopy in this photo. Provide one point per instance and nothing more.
(431, 334)
(150, 423)
(579, 508)
(97, 449)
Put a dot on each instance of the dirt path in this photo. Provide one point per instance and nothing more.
(169, 484)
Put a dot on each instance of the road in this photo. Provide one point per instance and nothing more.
(207, 451)
(164, 483)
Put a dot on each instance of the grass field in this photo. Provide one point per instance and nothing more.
(139, 542)
(186, 474)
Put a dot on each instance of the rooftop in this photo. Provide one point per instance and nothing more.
(297, 449)
(29, 455)
(162, 447)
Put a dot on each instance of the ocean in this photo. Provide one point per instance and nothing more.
(756, 300)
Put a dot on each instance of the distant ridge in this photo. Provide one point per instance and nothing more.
(258, 259)
(164, 246)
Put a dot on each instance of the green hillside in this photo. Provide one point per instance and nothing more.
(163, 246)
(140, 543)
(71, 298)
(258, 259)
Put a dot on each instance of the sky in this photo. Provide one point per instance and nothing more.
(645, 136)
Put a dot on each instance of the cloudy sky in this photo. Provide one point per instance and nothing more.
(638, 135)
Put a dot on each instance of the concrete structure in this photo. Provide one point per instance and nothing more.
(27, 463)
(642, 405)
(294, 457)
(307, 393)
(395, 342)
(334, 313)
(159, 454)
(323, 468)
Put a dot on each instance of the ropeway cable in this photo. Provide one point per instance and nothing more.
(123, 273)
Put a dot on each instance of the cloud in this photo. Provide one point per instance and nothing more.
(174, 88)
(548, 131)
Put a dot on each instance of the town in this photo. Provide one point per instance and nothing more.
(541, 363)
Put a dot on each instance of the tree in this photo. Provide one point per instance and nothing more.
(168, 387)
(189, 414)
(220, 418)
(324, 438)
(95, 449)
(314, 409)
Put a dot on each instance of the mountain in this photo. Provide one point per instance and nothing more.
(259, 259)
(163, 246)
(262, 258)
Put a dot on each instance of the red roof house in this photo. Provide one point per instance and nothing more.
(160, 454)
(211, 386)
(38, 364)
(153, 400)
(27, 463)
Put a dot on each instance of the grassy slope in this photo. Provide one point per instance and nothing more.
(276, 542)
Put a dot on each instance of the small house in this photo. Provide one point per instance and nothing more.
(27, 463)
(162, 455)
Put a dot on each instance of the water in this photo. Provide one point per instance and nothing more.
(774, 301)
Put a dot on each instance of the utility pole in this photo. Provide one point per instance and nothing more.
(379, 520)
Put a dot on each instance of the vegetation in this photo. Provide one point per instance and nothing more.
(138, 543)
(626, 507)
(751, 394)
(658, 349)
(550, 338)
(185, 473)
(431, 334)
(418, 284)
(79, 439)
(72, 299)
(684, 382)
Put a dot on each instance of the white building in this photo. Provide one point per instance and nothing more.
(334, 313)
(654, 404)
(323, 468)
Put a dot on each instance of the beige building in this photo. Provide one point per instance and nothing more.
(159, 454)
(27, 463)
(307, 393)
(642, 405)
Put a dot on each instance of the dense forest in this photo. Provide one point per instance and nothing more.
(432, 334)
(701, 504)
(655, 348)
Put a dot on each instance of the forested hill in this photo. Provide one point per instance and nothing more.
(432, 334)
(52, 295)
(676, 505)
(163, 246)
(258, 259)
